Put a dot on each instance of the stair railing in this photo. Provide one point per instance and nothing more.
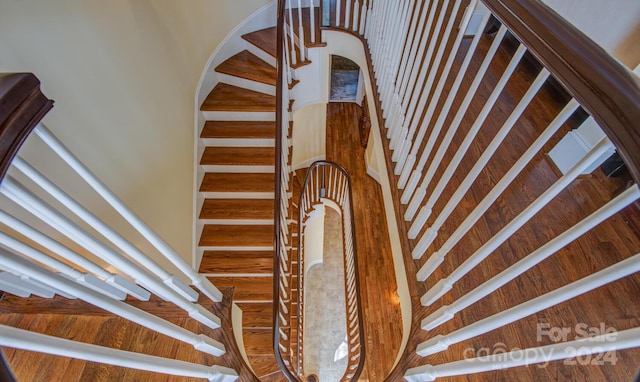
(328, 181)
(412, 68)
(54, 245)
(282, 261)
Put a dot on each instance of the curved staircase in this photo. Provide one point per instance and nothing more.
(238, 191)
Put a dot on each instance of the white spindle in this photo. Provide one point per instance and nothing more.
(356, 11)
(455, 124)
(462, 189)
(292, 41)
(407, 166)
(436, 259)
(338, 10)
(312, 20)
(301, 40)
(22, 197)
(106, 231)
(401, 153)
(624, 339)
(116, 286)
(347, 14)
(608, 275)
(199, 281)
(26, 340)
(509, 177)
(611, 208)
(23, 266)
(462, 150)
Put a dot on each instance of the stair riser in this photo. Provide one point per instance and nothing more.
(239, 116)
(239, 169)
(266, 57)
(238, 195)
(247, 84)
(237, 142)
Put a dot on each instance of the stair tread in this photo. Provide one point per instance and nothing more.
(233, 182)
(241, 156)
(246, 288)
(258, 341)
(256, 314)
(233, 235)
(263, 365)
(264, 39)
(229, 262)
(239, 129)
(225, 97)
(237, 209)
(249, 66)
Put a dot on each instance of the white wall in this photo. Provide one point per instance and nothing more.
(123, 74)
(309, 135)
(613, 24)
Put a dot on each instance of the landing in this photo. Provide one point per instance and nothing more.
(382, 318)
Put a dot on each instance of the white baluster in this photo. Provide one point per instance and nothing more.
(347, 14)
(199, 281)
(22, 197)
(446, 312)
(26, 340)
(292, 41)
(608, 275)
(302, 45)
(115, 287)
(106, 231)
(509, 177)
(356, 11)
(122, 309)
(405, 146)
(624, 339)
(462, 189)
(338, 11)
(407, 167)
(312, 19)
(455, 124)
(462, 150)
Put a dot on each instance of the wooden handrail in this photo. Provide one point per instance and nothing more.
(280, 67)
(22, 107)
(603, 86)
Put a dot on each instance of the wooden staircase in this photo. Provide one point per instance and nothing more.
(238, 190)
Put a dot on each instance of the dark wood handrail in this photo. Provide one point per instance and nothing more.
(356, 278)
(280, 67)
(603, 86)
(22, 107)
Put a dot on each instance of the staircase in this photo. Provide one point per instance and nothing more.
(238, 191)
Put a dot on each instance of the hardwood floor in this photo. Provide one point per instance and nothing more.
(383, 323)
(615, 305)
(82, 322)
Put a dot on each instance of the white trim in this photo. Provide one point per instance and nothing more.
(238, 142)
(238, 169)
(268, 116)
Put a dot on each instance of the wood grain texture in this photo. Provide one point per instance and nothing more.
(226, 97)
(613, 305)
(111, 331)
(237, 209)
(238, 156)
(233, 182)
(230, 262)
(238, 129)
(264, 39)
(248, 66)
(223, 235)
(247, 288)
(382, 318)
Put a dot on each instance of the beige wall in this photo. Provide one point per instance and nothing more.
(614, 24)
(123, 74)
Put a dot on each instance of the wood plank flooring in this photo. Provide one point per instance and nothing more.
(382, 318)
(95, 326)
(615, 305)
